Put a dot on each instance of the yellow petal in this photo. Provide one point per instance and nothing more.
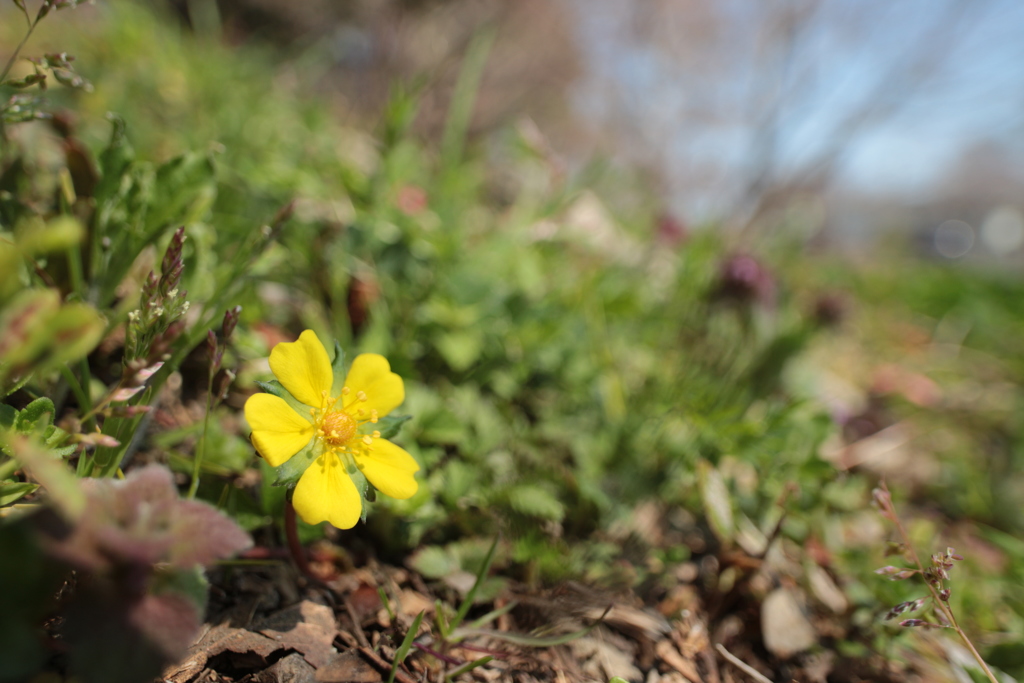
(389, 468)
(325, 493)
(371, 374)
(278, 432)
(303, 368)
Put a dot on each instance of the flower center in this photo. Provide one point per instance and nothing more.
(338, 428)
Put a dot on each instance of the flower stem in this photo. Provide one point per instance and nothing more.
(291, 532)
(197, 461)
(943, 606)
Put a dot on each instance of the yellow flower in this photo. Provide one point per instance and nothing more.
(337, 421)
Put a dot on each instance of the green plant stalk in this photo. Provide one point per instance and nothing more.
(197, 461)
(384, 601)
(14, 57)
(943, 606)
(8, 468)
(185, 344)
(403, 649)
(440, 620)
(76, 388)
(468, 600)
(460, 112)
(491, 616)
(469, 666)
(291, 532)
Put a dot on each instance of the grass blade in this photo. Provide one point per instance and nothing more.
(468, 601)
(403, 649)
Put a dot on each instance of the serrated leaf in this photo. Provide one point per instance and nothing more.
(717, 502)
(10, 491)
(35, 416)
(277, 389)
(529, 499)
(390, 426)
(289, 473)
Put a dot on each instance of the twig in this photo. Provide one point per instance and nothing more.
(741, 665)
(356, 626)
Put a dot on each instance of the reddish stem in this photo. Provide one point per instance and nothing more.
(291, 532)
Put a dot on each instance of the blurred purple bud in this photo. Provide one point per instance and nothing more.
(224, 383)
(211, 343)
(173, 252)
(282, 216)
(894, 548)
(919, 622)
(127, 411)
(944, 594)
(230, 322)
(97, 439)
(149, 288)
(125, 393)
(829, 310)
(881, 497)
(671, 230)
(742, 279)
(145, 373)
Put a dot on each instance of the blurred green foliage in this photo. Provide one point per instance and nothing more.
(563, 366)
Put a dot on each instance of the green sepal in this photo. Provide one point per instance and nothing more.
(36, 415)
(275, 388)
(289, 473)
(339, 370)
(387, 426)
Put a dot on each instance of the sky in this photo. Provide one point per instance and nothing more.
(689, 86)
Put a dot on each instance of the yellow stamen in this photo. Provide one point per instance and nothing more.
(340, 426)
(361, 395)
(376, 434)
(367, 439)
(345, 391)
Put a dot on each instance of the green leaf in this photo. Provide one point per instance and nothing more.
(11, 491)
(35, 416)
(468, 666)
(406, 645)
(717, 502)
(530, 499)
(114, 160)
(7, 416)
(59, 234)
(467, 602)
(277, 389)
(288, 474)
(390, 426)
(434, 562)
(460, 349)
